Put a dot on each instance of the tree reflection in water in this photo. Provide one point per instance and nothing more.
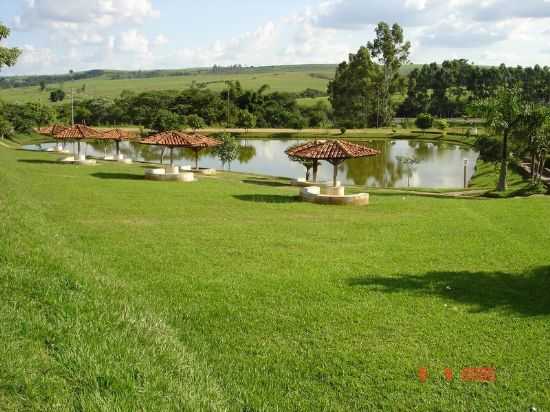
(378, 171)
(440, 164)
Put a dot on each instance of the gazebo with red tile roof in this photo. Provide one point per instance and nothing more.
(292, 153)
(201, 142)
(77, 133)
(51, 130)
(333, 151)
(115, 135)
(173, 138)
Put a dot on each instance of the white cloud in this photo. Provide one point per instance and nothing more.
(455, 33)
(35, 60)
(498, 10)
(132, 42)
(357, 14)
(160, 40)
(99, 13)
(246, 47)
(106, 34)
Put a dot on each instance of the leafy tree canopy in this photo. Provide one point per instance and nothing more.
(8, 56)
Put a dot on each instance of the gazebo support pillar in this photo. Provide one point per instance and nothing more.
(335, 164)
(171, 156)
(196, 158)
(315, 167)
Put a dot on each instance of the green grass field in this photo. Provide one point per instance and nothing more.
(287, 79)
(279, 78)
(118, 294)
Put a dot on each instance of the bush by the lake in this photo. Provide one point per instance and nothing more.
(424, 121)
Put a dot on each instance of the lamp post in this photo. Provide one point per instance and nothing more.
(466, 162)
(71, 72)
(228, 92)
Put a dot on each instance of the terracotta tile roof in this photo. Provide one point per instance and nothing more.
(206, 141)
(78, 132)
(115, 134)
(332, 150)
(51, 130)
(179, 139)
(291, 151)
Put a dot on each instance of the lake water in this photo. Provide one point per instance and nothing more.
(439, 164)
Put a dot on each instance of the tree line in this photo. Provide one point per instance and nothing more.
(194, 107)
(447, 89)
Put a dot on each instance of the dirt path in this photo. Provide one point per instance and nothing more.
(466, 194)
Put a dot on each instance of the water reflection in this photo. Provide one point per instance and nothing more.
(440, 165)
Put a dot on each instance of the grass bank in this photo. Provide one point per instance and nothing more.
(229, 294)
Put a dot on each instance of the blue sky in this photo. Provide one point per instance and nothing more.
(58, 35)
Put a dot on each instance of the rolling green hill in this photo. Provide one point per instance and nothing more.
(112, 83)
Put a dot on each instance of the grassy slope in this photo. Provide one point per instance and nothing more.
(278, 79)
(119, 294)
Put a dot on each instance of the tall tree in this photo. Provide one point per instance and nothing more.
(390, 51)
(533, 125)
(8, 56)
(504, 114)
(352, 90)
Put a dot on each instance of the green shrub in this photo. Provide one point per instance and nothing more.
(441, 124)
(424, 121)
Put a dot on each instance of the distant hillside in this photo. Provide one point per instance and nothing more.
(110, 83)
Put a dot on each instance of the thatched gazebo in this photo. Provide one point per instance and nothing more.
(77, 133)
(172, 139)
(117, 136)
(333, 151)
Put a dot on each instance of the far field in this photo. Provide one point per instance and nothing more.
(279, 78)
(119, 294)
(287, 79)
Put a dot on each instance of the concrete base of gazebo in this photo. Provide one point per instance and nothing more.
(80, 161)
(120, 159)
(57, 150)
(301, 182)
(205, 171)
(171, 175)
(333, 196)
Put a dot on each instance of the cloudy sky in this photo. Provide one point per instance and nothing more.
(58, 35)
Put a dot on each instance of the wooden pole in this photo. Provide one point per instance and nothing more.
(171, 156)
(196, 159)
(335, 173)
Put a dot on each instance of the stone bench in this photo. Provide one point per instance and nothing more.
(333, 196)
(173, 175)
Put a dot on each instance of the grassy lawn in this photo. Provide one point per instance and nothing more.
(228, 294)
